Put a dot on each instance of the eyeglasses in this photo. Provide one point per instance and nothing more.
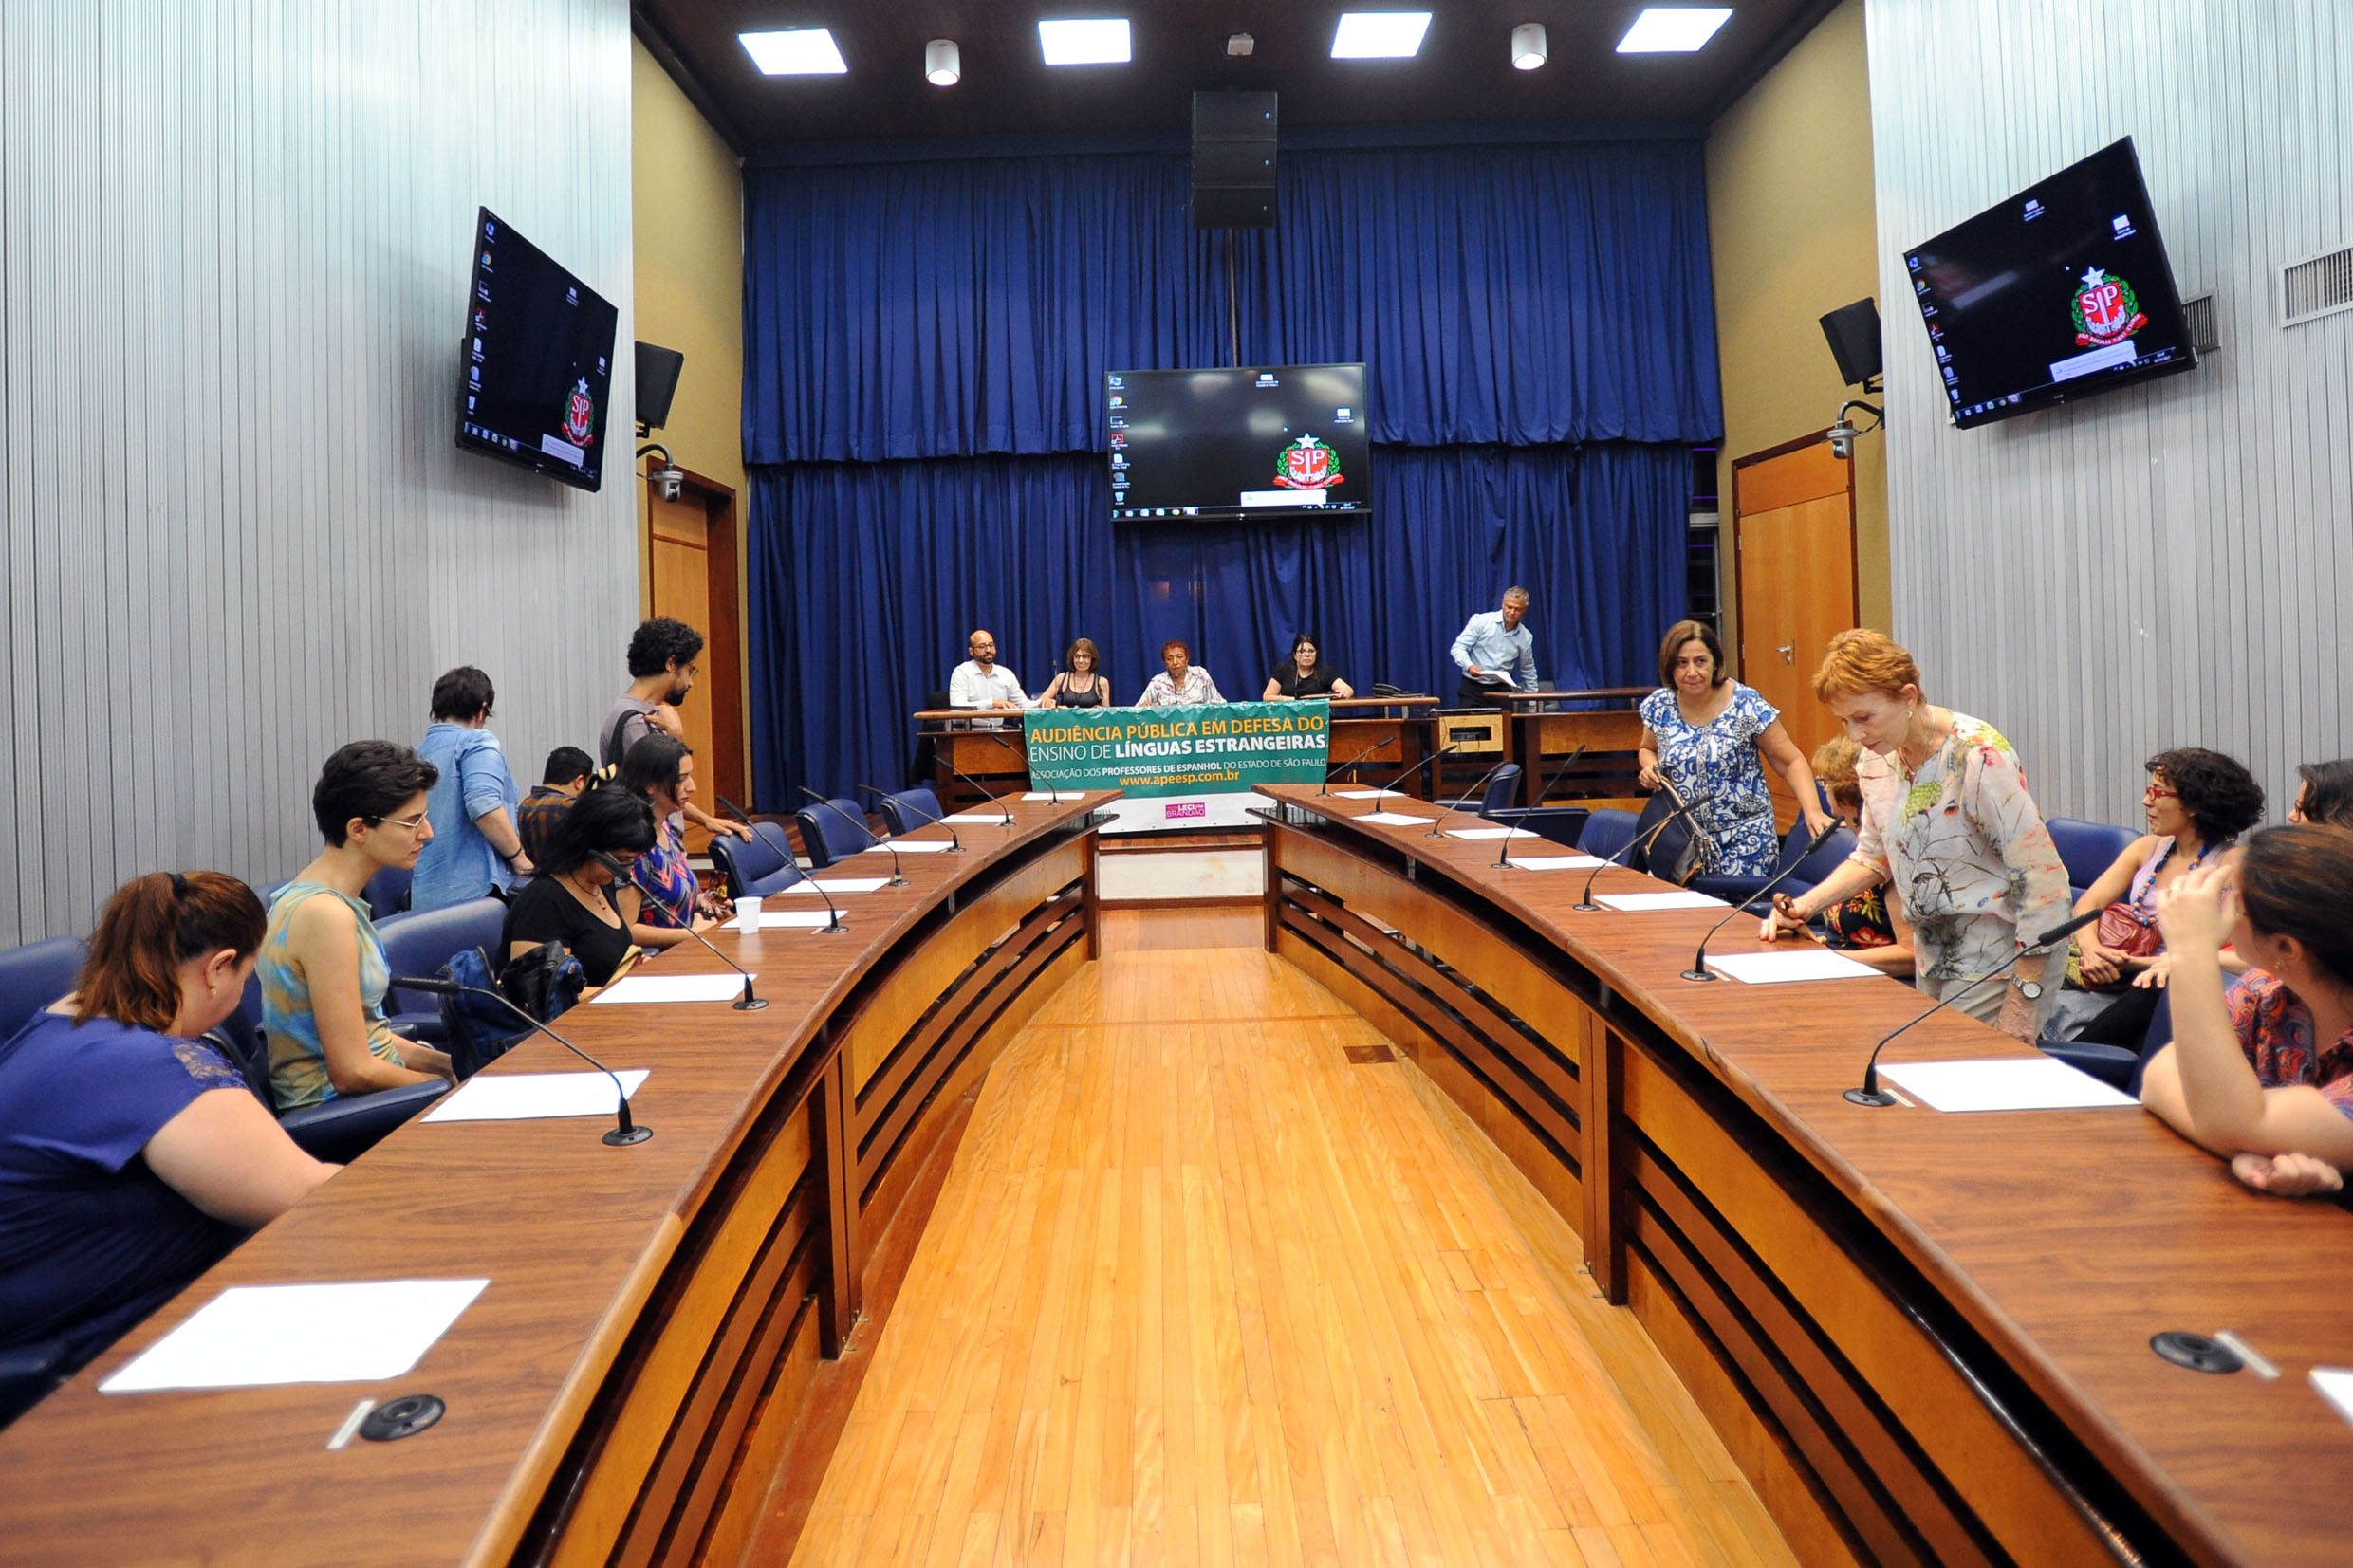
(415, 824)
(2159, 792)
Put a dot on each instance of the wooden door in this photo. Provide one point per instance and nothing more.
(693, 555)
(1793, 532)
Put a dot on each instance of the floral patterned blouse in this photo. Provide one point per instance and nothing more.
(2275, 1031)
(1718, 759)
(1963, 846)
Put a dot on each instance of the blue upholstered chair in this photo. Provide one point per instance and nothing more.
(1563, 824)
(773, 835)
(831, 834)
(1607, 831)
(387, 893)
(910, 809)
(420, 943)
(753, 868)
(2087, 849)
(35, 975)
(1815, 869)
(2120, 1064)
(1501, 786)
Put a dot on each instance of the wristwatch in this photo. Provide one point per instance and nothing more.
(2031, 990)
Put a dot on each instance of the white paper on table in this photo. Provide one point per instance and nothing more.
(1637, 901)
(836, 884)
(528, 1096)
(914, 846)
(1491, 833)
(1063, 797)
(2004, 1083)
(1767, 968)
(993, 814)
(2336, 1386)
(788, 919)
(249, 1335)
(1396, 819)
(1368, 794)
(1558, 862)
(675, 987)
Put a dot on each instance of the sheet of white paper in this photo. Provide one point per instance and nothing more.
(836, 884)
(1368, 794)
(1489, 833)
(2003, 1084)
(527, 1097)
(1555, 862)
(249, 1335)
(1063, 797)
(1503, 678)
(1396, 819)
(993, 814)
(2336, 1386)
(915, 847)
(787, 919)
(1683, 900)
(1767, 968)
(675, 988)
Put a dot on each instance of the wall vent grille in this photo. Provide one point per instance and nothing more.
(2199, 314)
(2320, 286)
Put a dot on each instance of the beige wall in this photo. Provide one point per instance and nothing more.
(689, 192)
(1792, 232)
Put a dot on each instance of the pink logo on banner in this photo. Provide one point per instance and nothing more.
(1176, 809)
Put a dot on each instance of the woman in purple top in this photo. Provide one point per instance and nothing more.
(123, 1174)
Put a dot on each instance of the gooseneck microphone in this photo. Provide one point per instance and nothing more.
(626, 1130)
(1432, 761)
(985, 790)
(1585, 904)
(1476, 790)
(1381, 744)
(1503, 850)
(1871, 1094)
(733, 810)
(1053, 792)
(897, 878)
(956, 845)
(1699, 969)
(1561, 773)
(746, 1003)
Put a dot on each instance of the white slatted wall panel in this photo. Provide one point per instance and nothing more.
(234, 242)
(2171, 564)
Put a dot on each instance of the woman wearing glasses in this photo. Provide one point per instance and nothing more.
(584, 896)
(321, 964)
(1948, 823)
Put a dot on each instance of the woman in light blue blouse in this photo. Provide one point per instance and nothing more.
(1710, 737)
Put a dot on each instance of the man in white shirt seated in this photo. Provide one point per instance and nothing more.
(981, 682)
(1495, 653)
(1182, 682)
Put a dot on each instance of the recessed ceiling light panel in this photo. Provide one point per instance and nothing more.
(796, 51)
(1673, 30)
(1097, 40)
(1380, 34)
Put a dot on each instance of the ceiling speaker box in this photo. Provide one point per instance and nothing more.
(1234, 160)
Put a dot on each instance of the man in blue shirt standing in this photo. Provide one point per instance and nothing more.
(1495, 653)
(475, 845)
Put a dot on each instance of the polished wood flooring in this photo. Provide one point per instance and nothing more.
(1198, 1288)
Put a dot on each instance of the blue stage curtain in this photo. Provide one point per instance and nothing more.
(1515, 294)
(865, 579)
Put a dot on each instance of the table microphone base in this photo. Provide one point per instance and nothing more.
(749, 1003)
(1879, 1097)
(617, 1136)
(1697, 974)
(1586, 908)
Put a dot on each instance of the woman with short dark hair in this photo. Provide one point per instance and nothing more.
(1709, 736)
(321, 964)
(2325, 793)
(583, 895)
(1304, 674)
(661, 771)
(123, 1174)
(2266, 1071)
(1082, 683)
(1181, 683)
(479, 847)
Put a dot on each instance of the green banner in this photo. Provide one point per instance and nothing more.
(1212, 749)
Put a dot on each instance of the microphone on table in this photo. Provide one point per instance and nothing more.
(956, 845)
(746, 1003)
(1053, 794)
(626, 1130)
(985, 790)
(1871, 1094)
(733, 810)
(1438, 756)
(1503, 851)
(1381, 744)
(1700, 960)
(1683, 809)
(897, 878)
(1477, 789)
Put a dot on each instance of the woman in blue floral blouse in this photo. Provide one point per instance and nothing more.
(1710, 737)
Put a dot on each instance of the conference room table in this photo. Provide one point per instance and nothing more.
(1924, 1336)
(623, 1389)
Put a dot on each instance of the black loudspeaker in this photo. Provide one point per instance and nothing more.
(657, 382)
(1234, 160)
(1854, 334)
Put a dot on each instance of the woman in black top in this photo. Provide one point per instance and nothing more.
(1080, 683)
(1304, 674)
(583, 896)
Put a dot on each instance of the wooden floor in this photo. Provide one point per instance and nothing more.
(1200, 1289)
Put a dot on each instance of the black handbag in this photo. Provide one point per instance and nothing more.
(1669, 850)
(544, 983)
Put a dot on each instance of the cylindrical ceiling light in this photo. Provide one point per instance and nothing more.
(1528, 45)
(943, 66)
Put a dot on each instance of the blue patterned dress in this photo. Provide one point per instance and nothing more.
(1719, 760)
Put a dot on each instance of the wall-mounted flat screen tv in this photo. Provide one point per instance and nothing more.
(535, 371)
(2062, 291)
(1263, 442)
